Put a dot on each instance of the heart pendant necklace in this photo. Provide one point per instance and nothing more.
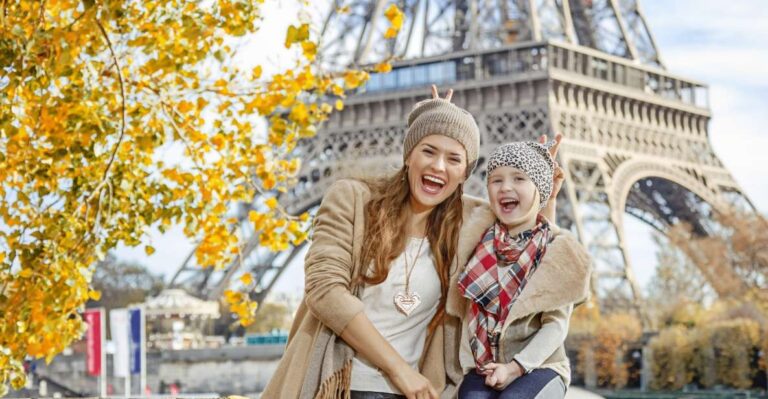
(407, 301)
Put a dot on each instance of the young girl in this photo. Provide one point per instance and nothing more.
(522, 283)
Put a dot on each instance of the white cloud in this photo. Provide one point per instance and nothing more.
(267, 46)
(720, 65)
(641, 248)
(739, 140)
(709, 22)
(172, 247)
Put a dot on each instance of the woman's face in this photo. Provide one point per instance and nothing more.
(436, 167)
(511, 193)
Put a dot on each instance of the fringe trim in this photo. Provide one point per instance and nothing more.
(337, 385)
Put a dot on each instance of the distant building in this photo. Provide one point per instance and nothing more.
(290, 299)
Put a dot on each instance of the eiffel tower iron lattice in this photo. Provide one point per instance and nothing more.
(636, 136)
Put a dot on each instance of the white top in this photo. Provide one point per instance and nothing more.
(406, 334)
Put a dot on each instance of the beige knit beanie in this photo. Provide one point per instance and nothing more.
(439, 116)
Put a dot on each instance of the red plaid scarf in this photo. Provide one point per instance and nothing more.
(492, 295)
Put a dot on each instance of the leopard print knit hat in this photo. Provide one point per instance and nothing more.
(530, 157)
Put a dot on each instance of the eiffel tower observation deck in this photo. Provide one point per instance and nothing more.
(636, 136)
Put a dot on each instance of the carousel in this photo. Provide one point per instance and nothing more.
(177, 320)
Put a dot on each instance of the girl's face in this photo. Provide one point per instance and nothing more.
(436, 167)
(511, 194)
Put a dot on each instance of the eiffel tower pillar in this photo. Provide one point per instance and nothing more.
(598, 223)
(637, 143)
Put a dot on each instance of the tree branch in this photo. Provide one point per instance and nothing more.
(171, 113)
(122, 109)
(41, 17)
(4, 16)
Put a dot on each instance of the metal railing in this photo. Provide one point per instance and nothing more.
(525, 58)
(725, 394)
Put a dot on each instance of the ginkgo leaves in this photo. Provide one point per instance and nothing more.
(296, 34)
(300, 35)
(395, 17)
(76, 180)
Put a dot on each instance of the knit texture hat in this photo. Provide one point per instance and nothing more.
(439, 116)
(530, 157)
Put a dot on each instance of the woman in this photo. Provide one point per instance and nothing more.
(381, 330)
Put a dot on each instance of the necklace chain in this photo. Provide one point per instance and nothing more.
(413, 265)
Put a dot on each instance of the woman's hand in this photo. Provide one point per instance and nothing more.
(549, 210)
(412, 384)
(368, 342)
(559, 175)
(543, 140)
(557, 182)
(436, 95)
(499, 375)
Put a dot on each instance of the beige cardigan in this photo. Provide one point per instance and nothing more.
(316, 362)
(560, 282)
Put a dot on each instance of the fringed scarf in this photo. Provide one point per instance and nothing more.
(337, 385)
(491, 295)
(329, 372)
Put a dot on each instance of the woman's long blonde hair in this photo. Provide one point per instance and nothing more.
(385, 232)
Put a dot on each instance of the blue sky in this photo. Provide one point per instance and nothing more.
(724, 45)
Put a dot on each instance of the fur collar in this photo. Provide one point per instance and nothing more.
(562, 278)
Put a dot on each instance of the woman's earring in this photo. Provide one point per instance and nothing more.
(405, 173)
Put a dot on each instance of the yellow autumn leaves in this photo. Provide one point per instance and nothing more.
(395, 17)
(300, 35)
(118, 117)
(393, 14)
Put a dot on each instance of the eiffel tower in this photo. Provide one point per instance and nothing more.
(636, 136)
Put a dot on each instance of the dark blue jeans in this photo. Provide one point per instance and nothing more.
(529, 386)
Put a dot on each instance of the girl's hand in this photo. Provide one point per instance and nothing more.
(412, 384)
(436, 95)
(500, 375)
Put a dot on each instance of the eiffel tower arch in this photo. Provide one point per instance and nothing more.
(636, 136)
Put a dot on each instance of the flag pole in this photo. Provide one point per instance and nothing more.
(103, 338)
(143, 334)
